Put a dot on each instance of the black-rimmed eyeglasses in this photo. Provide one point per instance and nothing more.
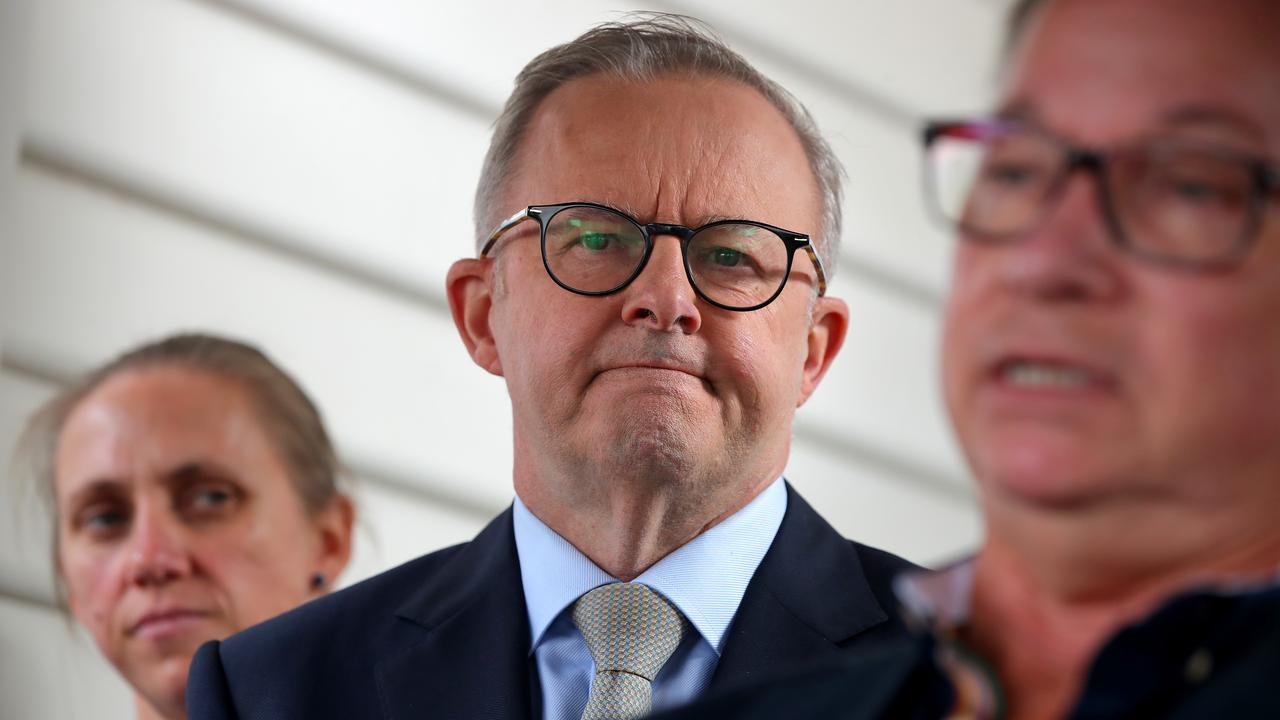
(1173, 202)
(592, 249)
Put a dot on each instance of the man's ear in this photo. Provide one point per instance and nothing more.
(826, 336)
(469, 287)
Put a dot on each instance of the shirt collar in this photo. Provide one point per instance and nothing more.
(941, 599)
(705, 578)
(937, 599)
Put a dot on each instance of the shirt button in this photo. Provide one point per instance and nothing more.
(1199, 666)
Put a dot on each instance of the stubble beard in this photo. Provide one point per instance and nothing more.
(655, 456)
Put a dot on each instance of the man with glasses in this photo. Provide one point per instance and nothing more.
(656, 302)
(1112, 366)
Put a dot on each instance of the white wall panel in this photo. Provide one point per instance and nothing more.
(274, 134)
(53, 671)
(884, 386)
(396, 386)
(476, 46)
(395, 526)
(25, 527)
(891, 513)
(923, 55)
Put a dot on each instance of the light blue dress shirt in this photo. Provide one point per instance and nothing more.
(705, 578)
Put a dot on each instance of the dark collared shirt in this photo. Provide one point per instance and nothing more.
(1210, 653)
(1203, 653)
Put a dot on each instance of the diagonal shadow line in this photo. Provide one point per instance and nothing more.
(394, 71)
(79, 167)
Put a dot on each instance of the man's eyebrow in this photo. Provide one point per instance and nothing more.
(1211, 115)
(1021, 110)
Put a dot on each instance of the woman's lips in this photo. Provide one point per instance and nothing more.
(165, 623)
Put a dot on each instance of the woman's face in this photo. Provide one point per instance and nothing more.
(178, 523)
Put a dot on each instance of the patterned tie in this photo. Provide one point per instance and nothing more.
(631, 632)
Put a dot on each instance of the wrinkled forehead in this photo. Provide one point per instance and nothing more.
(1104, 70)
(674, 148)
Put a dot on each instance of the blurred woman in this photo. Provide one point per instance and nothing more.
(195, 493)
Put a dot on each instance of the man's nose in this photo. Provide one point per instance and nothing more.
(661, 298)
(158, 549)
(1070, 254)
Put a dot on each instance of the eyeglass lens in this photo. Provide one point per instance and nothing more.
(1171, 200)
(595, 250)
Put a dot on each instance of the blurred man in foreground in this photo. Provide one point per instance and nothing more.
(1112, 367)
(655, 300)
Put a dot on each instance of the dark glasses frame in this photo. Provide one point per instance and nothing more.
(544, 213)
(1264, 178)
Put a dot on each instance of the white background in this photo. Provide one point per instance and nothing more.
(299, 173)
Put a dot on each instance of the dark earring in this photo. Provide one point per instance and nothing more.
(317, 581)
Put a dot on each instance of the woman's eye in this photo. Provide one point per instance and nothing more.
(210, 499)
(102, 521)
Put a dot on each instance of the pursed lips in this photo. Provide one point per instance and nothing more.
(655, 368)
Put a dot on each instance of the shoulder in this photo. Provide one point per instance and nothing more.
(319, 644)
(880, 567)
(370, 600)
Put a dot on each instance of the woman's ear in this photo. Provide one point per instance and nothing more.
(334, 523)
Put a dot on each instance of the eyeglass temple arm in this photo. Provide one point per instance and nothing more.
(817, 264)
(504, 226)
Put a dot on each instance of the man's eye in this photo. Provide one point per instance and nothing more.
(1009, 174)
(726, 257)
(596, 241)
(1197, 191)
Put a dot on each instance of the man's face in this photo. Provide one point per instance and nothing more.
(1172, 381)
(652, 381)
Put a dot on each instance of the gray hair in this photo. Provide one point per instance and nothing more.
(1017, 21)
(639, 49)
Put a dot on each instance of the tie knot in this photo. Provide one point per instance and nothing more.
(629, 628)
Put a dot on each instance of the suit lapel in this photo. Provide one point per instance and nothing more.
(808, 598)
(472, 659)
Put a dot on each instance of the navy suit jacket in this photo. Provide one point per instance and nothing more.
(447, 635)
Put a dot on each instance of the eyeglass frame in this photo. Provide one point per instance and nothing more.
(1265, 177)
(543, 213)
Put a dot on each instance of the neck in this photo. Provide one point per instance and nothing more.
(634, 522)
(1051, 586)
(147, 711)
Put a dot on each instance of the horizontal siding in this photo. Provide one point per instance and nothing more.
(53, 671)
(381, 369)
(258, 129)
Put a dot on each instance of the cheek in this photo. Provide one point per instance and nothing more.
(1216, 367)
(765, 363)
(260, 570)
(95, 587)
(956, 350)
